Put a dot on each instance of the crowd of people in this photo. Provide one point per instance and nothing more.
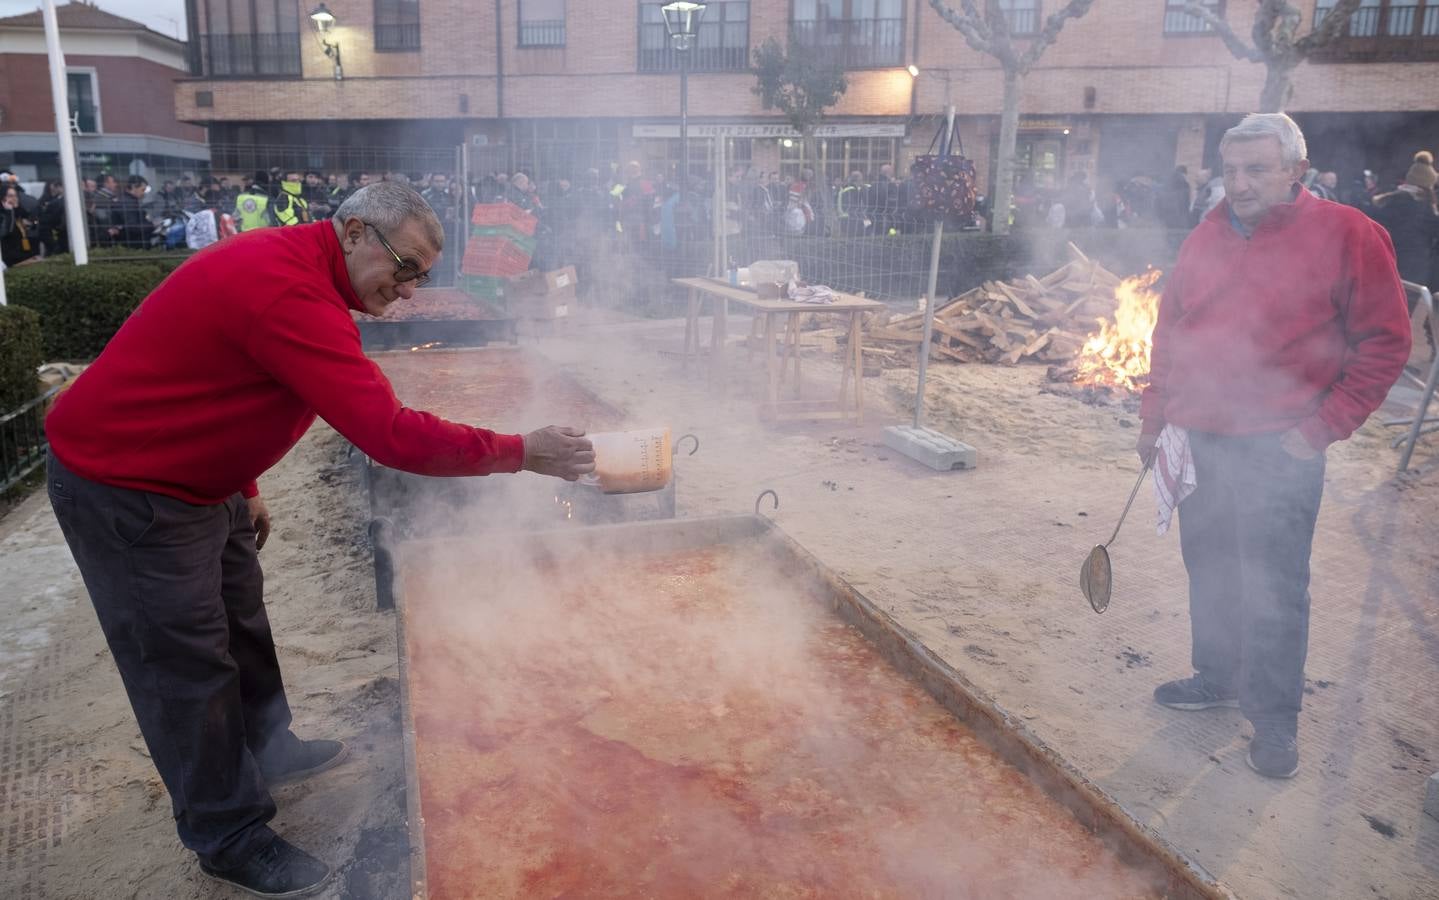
(642, 207)
(625, 204)
(187, 211)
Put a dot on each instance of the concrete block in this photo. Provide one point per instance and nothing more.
(1431, 799)
(938, 451)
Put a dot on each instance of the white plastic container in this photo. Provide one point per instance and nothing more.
(773, 271)
(630, 462)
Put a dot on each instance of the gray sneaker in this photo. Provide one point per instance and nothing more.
(1273, 754)
(1194, 693)
(279, 869)
(303, 759)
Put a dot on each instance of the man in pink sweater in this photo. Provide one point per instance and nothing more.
(1282, 328)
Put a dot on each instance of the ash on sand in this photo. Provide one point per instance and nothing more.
(1062, 381)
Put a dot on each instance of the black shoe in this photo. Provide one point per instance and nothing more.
(279, 869)
(305, 758)
(1194, 693)
(1273, 754)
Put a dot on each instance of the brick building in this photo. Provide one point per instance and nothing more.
(120, 77)
(556, 86)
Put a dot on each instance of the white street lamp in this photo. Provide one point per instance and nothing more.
(682, 21)
(324, 20)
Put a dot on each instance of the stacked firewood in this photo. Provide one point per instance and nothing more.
(1028, 320)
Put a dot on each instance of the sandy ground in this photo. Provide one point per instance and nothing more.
(981, 565)
(84, 813)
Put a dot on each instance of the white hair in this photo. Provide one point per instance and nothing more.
(388, 205)
(1256, 126)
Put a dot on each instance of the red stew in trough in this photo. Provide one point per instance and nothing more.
(697, 708)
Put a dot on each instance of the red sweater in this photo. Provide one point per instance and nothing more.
(226, 364)
(1302, 324)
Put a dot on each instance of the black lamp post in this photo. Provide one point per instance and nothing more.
(324, 20)
(682, 21)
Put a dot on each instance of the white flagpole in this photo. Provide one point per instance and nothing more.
(59, 96)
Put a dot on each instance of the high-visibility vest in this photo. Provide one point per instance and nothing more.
(617, 194)
(291, 210)
(251, 211)
(843, 204)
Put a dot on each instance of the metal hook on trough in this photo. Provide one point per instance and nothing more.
(676, 447)
(758, 500)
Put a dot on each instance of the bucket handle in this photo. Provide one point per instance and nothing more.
(675, 448)
(760, 499)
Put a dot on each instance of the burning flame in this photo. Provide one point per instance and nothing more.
(1118, 355)
(429, 346)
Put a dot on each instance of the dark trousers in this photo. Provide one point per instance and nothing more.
(177, 589)
(1246, 534)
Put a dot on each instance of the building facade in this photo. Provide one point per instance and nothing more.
(559, 86)
(120, 79)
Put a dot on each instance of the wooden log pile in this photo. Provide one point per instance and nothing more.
(1028, 320)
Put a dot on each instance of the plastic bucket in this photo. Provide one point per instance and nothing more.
(629, 462)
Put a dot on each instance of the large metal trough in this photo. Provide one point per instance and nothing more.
(476, 745)
(505, 389)
(438, 316)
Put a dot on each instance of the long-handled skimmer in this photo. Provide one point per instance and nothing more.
(1096, 579)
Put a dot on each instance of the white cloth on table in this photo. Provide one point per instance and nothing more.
(1174, 476)
(810, 293)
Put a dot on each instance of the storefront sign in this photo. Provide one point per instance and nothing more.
(756, 130)
(1036, 124)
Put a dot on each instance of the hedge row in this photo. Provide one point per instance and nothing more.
(20, 356)
(81, 307)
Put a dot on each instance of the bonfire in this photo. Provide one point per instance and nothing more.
(1117, 356)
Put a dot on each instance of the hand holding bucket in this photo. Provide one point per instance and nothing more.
(630, 462)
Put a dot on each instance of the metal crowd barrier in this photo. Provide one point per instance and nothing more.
(22, 439)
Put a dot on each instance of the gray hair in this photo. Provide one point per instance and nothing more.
(1256, 126)
(388, 205)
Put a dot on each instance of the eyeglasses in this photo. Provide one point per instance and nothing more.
(404, 269)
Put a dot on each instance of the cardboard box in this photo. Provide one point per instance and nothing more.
(538, 284)
(560, 279)
(553, 305)
(527, 284)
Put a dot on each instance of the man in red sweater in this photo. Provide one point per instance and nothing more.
(1282, 328)
(155, 452)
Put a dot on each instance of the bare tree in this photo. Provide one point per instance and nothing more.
(988, 32)
(1277, 42)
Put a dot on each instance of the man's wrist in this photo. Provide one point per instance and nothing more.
(512, 451)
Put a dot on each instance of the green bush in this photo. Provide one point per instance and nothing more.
(80, 307)
(19, 356)
(168, 260)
